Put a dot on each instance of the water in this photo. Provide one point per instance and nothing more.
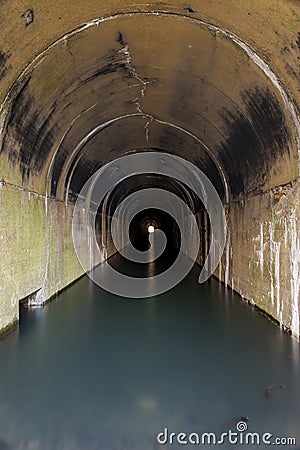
(96, 371)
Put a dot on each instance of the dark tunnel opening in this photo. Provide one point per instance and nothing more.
(139, 234)
(158, 219)
(141, 239)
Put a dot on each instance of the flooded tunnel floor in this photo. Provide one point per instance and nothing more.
(96, 371)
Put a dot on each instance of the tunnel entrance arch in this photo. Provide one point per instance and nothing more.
(238, 110)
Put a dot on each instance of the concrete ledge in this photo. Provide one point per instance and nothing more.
(8, 329)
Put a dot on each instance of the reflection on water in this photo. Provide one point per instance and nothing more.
(96, 371)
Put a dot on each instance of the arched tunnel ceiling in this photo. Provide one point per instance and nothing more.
(141, 80)
(133, 183)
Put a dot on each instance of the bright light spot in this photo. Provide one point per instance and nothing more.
(151, 229)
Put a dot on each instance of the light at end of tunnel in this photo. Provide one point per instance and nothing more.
(151, 229)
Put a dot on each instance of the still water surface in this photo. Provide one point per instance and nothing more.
(95, 371)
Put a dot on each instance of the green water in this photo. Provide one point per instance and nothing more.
(95, 371)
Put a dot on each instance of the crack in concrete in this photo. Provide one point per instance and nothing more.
(258, 61)
(142, 82)
(147, 128)
(126, 51)
(69, 49)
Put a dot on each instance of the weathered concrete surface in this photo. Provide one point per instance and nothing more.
(36, 248)
(38, 258)
(262, 257)
(270, 27)
(82, 83)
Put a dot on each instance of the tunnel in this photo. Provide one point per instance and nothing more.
(86, 84)
(149, 224)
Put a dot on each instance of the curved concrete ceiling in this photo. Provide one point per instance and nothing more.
(104, 81)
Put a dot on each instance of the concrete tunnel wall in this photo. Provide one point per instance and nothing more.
(216, 83)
